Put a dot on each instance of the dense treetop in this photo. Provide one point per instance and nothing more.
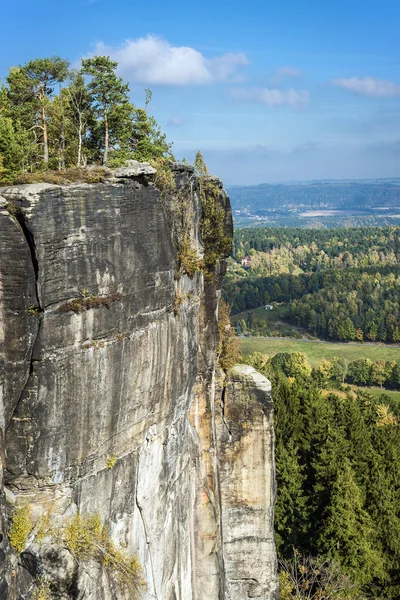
(340, 284)
(54, 117)
(338, 473)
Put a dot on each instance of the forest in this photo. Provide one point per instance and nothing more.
(339, 284)
(338, 468)
(53, 117)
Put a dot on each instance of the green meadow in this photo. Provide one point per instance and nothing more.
(317, 350)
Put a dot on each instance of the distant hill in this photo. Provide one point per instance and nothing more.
(342, 194)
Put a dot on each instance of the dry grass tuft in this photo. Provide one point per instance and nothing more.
(66, 176)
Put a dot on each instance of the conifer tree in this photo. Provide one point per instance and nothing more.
(147, 141)
(348, 534)
(30, 88)
(111, 103)
(200, 166)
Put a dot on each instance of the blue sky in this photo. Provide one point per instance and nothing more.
(269, 91)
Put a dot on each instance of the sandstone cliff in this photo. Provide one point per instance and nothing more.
(108, 401)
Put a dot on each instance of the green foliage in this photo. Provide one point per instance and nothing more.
(216, 243)
(11, 150)
(111, 105)
(228, 353)
(179, 299)
(52, 118)
(338, 468)
(148, 142)
(20, 528)
(359, 371)
(88, 539)
(164, 178)
(188, 258)
(293, 364)
(200, 166)
(338, 284)
(111, 461)
(348, 532)
(42, 590)
(337, 371)
(31, 88)
(80, 117)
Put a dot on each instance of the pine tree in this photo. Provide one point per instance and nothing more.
(31, 87)
(348, 534)
(148, 142)
(200, 166)
(11, 150)
(111, 103)
(291, 511)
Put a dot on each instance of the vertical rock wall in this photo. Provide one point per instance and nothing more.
(107, 386)
(247, 475)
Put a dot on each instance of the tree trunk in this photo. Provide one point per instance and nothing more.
(80, 140)
(45, 140)
(105, 155)
(62, 134)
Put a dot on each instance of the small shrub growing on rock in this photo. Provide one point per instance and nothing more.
(178, 301)
(216, 244)
(88, 539)
(86, 302)
(164, 178)
(21, 526)
(111, 461)
(42, 590)
(188, 258)
(228, 352)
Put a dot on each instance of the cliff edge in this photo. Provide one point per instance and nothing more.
(108, 401)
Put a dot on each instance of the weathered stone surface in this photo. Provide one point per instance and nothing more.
(134, 169)
(247, 475)
(123, 376)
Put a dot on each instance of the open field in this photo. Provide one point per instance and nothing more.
(316, 350)
(377, 392)
(260, 315)
(270, 320)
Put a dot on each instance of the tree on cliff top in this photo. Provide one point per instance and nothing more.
(111, 102)
(148, 142)
(30, 89)
(79, 112)
(200, 166)
(88, 119)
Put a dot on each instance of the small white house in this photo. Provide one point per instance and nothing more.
(269, 307)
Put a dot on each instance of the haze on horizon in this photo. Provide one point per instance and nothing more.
(277, 91)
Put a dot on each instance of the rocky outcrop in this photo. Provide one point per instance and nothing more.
(107, 392)
(247, 475)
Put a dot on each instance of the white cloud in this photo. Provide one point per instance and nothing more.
(154, 61)
(284, 72)
(368, 86)
(274, 98)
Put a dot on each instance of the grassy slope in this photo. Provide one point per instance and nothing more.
(316, 351)
(377, 392)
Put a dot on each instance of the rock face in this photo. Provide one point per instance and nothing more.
(108, 400)
(247, 474)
